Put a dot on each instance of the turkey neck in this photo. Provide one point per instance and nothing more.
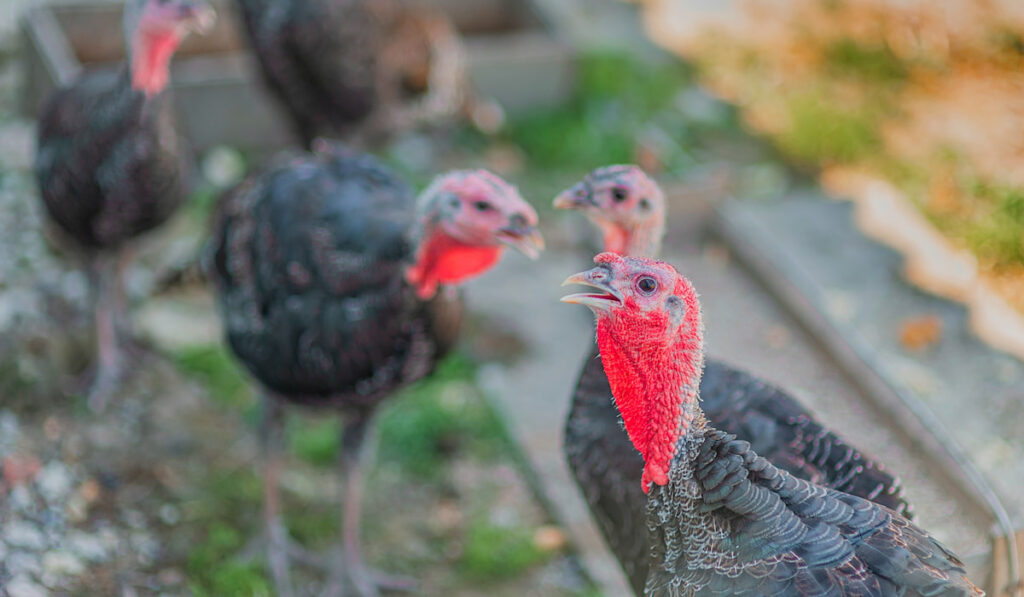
(150, 60)
(655, 385)
(444, 260)
(636, 240)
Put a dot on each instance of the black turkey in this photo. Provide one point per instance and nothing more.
(336, 289)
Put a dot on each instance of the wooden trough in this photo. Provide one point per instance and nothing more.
(515, 57)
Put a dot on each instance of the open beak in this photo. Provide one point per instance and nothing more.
(526, 239)
(598, 278)
(199, 16)
(576, 197)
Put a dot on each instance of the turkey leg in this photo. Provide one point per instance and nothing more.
(272, 443)
(367, 582)
(109, 360)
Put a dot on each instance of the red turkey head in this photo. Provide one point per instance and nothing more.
(153, 30)
(468, 217)
(650, 335)
(625, 204)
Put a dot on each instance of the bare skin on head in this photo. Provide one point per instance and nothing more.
(467, 218)
(625, 204)
(154, 29)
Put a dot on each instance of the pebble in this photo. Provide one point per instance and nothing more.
(135, 519)
(145, 546)
(18, 469)
(54, 481)
(24, 535)
(8, 431)
(170, 514)
(550, 538)
(21, 563)
(21, 586)
(20, 500)
(86, 546)
(76, 509)
(62, 563)
(223, 166)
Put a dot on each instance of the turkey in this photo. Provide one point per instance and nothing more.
(355, 69)
(336, 290)
(722, 520)
(109, 164)
(629, 208)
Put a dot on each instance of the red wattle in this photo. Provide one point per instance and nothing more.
(648, 374)
(443, 260)
(615, 238)
(151, 62)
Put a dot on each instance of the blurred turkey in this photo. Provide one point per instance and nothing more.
(356, 69)
(329, 281)
(720, 519)
(109, 163)
(629, 208)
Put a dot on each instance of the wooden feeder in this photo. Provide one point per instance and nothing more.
(514, 56)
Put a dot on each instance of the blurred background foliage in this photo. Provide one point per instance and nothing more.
(927, 95)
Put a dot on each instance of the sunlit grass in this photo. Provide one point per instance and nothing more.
(820, 131)
(492, 552)
(617, 95)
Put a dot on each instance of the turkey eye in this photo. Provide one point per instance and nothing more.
(482, 206)
(644, 204)
(647, 285)
(619, 194)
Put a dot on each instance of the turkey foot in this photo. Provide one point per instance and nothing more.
(100, 384)
(367, 582)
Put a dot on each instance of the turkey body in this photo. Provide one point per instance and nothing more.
(606, 465)
(308, 260)
(336, 65)
(109, 162)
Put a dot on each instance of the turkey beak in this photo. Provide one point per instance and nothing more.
(599, 278)
(576, 197)
(199, 16)
(523, 237)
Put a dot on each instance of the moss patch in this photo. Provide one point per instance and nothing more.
(822, 131)
(213, 573)
(494, 552)
(617, 95)
(224, 380)
(438, 417)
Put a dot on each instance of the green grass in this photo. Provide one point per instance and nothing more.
(314, 526)
(200, 204)
(995, 232)
(222, 518)
(438, 417)
(616, 96)
(493, 552)
(821, 131)
(316, 442)
(873, 64)
(213, 572)
(419, 428)
(214, 367)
